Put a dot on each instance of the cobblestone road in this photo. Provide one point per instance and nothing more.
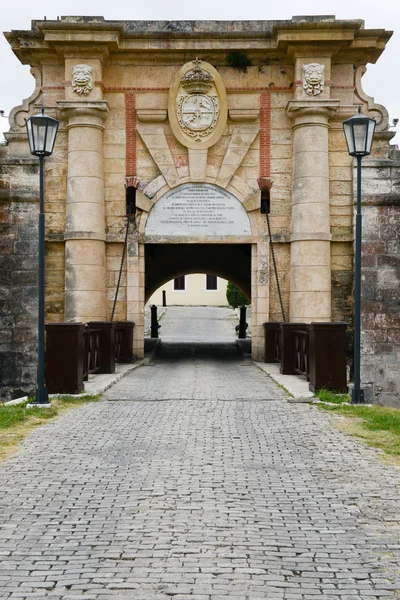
(198, 324)
(194, 498)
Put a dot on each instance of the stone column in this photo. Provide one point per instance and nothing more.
(85, 254)
(310, 261)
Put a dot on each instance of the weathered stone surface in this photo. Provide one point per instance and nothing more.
(380, 348)
(134, 101)
(18, 277)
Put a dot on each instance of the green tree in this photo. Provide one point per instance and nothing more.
(230, 295)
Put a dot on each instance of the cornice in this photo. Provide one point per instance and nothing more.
(283, 38)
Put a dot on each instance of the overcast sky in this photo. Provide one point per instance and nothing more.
(381, 81)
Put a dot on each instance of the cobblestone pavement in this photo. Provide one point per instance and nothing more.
(198, 324)
(197, 498)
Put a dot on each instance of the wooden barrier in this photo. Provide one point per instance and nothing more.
(64, 358)
(124, 341)
(288, 337)
(316, 351)
(328, 356)
(107, 344)
(272, 338)
(75, 350)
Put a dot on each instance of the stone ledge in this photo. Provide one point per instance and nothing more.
(244, 115)
(379, 163)
(296, 385)
(151, 115)
(342, 237)
(20, 161)
(380, 200)
(309, 236)
(84, 235)
(98, 384)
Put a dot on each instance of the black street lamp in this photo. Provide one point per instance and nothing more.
(42, 131)
(359, 133)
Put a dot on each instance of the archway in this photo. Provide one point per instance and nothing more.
(164, 262)
(200, 228)
(167, 261)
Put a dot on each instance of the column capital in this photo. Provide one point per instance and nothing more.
(311, 112)
(79, 113)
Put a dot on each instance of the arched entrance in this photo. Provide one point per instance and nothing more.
(167, 261)
(201, 228)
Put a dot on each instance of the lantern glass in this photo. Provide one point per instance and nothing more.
(370, 135)
(360, 137)
(359, 132)
(348, 134)
(42, 131)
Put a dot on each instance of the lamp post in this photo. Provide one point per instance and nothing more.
(42, 131)
(359, 133)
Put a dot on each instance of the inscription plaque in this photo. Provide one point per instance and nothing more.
(198, 210)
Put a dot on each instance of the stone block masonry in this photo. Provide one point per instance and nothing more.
(380, 344)
(19, 180)
(155, 111)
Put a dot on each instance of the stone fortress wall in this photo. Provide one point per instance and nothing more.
(111, 85)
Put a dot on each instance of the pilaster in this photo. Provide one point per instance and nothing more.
(85, 257)
(310, 262)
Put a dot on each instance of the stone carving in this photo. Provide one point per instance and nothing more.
(82, 79)
(313, 79)
(197, 112)
(197, 80)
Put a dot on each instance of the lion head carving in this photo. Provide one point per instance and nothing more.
(313, 79)
(82, 80)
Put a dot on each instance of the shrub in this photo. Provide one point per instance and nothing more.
(238, 60)
(230, 295)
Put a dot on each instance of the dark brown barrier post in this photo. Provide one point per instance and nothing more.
(242, 323)
(270, 340)
(288, 347)
(64, 358)
(328, 356)
(107, 345)
(126, 344)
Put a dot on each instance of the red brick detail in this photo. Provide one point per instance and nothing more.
(270, 88)
(51, 87)
(132, 89)
(265, 134)
(130, 126)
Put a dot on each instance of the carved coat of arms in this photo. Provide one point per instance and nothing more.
(197, 111)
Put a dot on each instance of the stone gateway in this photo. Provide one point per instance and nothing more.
(163, 105)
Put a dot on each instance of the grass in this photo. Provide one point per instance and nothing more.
(282, 387)
(378, 426)
(17, 421)
(327, 396)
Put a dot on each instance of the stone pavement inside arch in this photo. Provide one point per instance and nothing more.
(197, 481)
